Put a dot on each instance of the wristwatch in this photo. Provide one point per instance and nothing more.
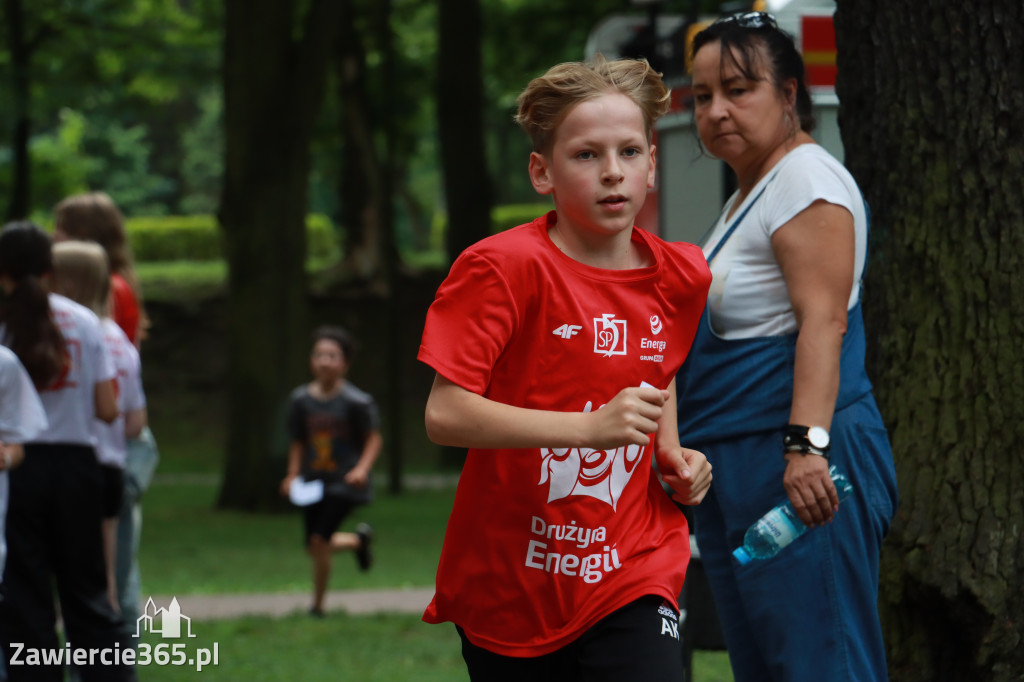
(807, 440)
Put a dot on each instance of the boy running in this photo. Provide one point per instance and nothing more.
(335, 438)
(556, 344)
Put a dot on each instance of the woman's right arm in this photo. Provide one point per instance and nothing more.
(461, 418)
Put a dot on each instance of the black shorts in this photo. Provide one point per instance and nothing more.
(113, 490)
(324, 517)
(640, 641)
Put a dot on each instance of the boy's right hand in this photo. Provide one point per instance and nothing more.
(627, 419)
(286, 484)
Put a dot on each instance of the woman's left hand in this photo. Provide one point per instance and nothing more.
(810, 488)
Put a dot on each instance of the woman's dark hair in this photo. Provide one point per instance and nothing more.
(31, 332)
(741, 44)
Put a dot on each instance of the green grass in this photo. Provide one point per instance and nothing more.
(389, 648)
(378, 648)
(188, 547)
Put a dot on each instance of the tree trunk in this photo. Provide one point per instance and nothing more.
(275, 65)
(20, 57)
(460, 114)
(932, 96)
(361, 197)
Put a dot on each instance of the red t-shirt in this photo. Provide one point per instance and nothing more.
(541, 543)
(124, 307)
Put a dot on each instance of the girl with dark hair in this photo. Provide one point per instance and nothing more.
(775, 388)
(54, 517)
(29, 329)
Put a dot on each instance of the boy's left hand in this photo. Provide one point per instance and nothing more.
(686, 471)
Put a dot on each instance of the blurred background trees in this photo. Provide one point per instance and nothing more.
(251, 110)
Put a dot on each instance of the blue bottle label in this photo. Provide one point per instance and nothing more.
(778, 526)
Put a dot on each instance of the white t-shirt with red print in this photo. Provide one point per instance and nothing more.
(70, 400)
(111, 449)
(543, 543)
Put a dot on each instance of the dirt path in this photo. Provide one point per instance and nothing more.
(202, 607)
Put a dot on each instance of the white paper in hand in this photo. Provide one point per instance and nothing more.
(304, 493)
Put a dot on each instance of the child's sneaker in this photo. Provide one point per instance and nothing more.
(364, 557)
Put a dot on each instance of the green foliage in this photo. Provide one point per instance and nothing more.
(198, 238)
(203, 155)
(511, 215)
(60, 165)
(502, 218)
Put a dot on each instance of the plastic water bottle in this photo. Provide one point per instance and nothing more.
(781, 526)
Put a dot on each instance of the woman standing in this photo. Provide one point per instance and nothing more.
(775, 388)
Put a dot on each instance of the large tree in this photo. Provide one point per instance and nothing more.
(276, 57)
(460, 115)
(932, 97)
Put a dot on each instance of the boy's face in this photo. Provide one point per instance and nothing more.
(327, 362)
(599, 168)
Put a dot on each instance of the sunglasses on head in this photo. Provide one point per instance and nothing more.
(750, 20)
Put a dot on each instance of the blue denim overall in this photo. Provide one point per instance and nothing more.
(809, 613)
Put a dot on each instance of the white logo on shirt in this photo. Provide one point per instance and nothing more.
(601, 474)
(609, 335)
(567, 331)
(655, 324)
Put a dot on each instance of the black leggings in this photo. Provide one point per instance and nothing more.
(640, 641)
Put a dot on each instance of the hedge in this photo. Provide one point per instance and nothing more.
(502, 218)
(198, 238)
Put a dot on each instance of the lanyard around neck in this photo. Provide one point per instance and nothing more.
(738, 220)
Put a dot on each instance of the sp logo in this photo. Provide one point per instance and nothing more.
(609, 335)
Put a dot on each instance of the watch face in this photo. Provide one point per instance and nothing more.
(818, 437)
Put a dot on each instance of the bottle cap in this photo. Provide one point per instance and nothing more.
(742, 556)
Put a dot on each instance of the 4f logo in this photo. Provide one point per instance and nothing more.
(609, 335)
(567, 331)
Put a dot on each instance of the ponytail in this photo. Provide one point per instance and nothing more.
(30, 331)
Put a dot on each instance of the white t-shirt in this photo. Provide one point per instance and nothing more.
(21, 418)
(21, 413)
(70, 401)
(110, 439)
(748, 296)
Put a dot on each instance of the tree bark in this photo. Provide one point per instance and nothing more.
(932, 95)
(275, 67)
(460, 114)
(362, 200)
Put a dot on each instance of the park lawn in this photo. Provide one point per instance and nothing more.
(190, 547)
(375, 648)
(388, 648)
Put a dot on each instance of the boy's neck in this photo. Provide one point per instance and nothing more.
(612, 252)
(319, 390)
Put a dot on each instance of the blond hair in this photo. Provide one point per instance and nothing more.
(81, 273)
(547, 99)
